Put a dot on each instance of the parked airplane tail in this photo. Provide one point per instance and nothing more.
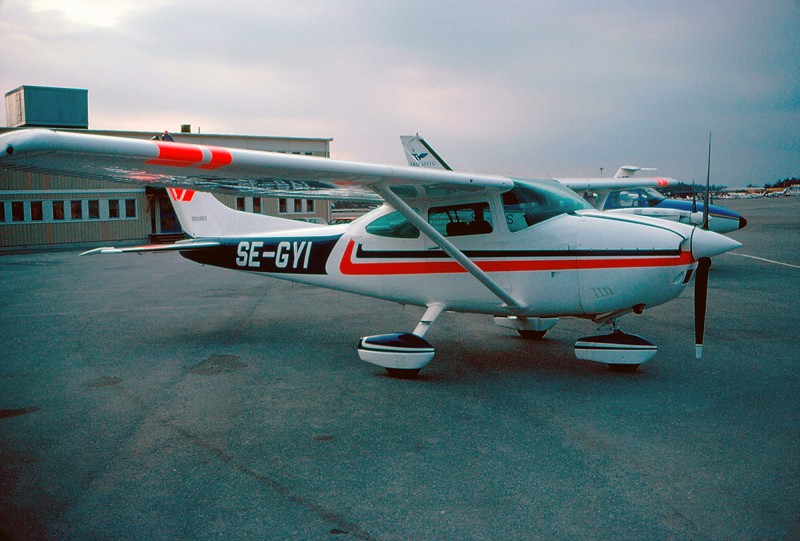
(627, 171)
(420, 154)
(203, 215)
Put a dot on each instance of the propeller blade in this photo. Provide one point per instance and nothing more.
(700, 296)
(708, 186)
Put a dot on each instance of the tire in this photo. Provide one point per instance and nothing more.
(532, 335)
(623, 368)
(398, 373)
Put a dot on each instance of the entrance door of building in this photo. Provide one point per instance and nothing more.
(164, 224)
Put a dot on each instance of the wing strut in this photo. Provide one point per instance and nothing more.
(447, 246)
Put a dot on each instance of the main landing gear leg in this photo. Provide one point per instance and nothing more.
(402, 354)
(622, 352)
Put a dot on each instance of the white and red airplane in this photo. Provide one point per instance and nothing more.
(527, 252)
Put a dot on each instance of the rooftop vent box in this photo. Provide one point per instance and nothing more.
(45, 106)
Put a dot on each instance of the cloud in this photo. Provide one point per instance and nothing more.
(531, 88)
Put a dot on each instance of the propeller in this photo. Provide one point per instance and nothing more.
(701, 276)
(700, 297)
(708, 186)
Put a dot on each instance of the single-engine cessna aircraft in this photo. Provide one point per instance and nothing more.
(622, 193)
(527, 252)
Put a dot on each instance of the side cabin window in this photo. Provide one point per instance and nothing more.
(464, 219)
(393, 225)
(529, 204)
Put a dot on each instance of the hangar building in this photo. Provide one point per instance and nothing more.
(38, 209)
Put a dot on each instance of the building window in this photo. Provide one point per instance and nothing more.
(298, 205)
(37, 213)
(17, 211)
(94, 209)
(58, 210)
(282, 208)
(2, 211)
(76, 210)
(130, 208)
(240, 203)
(309, 205)
(113, 208)
(257, 205)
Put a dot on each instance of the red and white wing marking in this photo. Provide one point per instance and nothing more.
(599, 184)
(206, 168)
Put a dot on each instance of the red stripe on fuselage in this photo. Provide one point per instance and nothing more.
(349, 267)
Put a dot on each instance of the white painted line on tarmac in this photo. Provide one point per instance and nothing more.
(769, 260)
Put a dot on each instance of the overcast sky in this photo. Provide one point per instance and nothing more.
(530, 88)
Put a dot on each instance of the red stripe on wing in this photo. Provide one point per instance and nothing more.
(220, 157)
(176, 155)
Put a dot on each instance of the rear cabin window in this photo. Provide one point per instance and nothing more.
(393, 225)
(458, 220)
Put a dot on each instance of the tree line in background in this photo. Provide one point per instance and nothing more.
(684, 189)
(785, 183)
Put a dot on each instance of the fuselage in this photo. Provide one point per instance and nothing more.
(567, 262)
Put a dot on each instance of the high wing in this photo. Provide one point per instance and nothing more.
(208, 168)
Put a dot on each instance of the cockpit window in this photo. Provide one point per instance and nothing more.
(393, 225)
(528, 203)
(464, 219)
(633, 197)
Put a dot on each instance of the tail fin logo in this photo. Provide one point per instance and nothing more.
(178, 194)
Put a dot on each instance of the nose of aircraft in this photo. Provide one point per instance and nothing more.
(708, 244)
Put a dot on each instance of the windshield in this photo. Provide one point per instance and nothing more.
(532, 202)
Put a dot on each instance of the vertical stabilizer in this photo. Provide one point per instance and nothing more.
(627, 171)
(203, 215)
(420, 154)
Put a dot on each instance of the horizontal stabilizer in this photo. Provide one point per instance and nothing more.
(177, 247)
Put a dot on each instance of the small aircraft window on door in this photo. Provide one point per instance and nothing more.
(465, 219)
